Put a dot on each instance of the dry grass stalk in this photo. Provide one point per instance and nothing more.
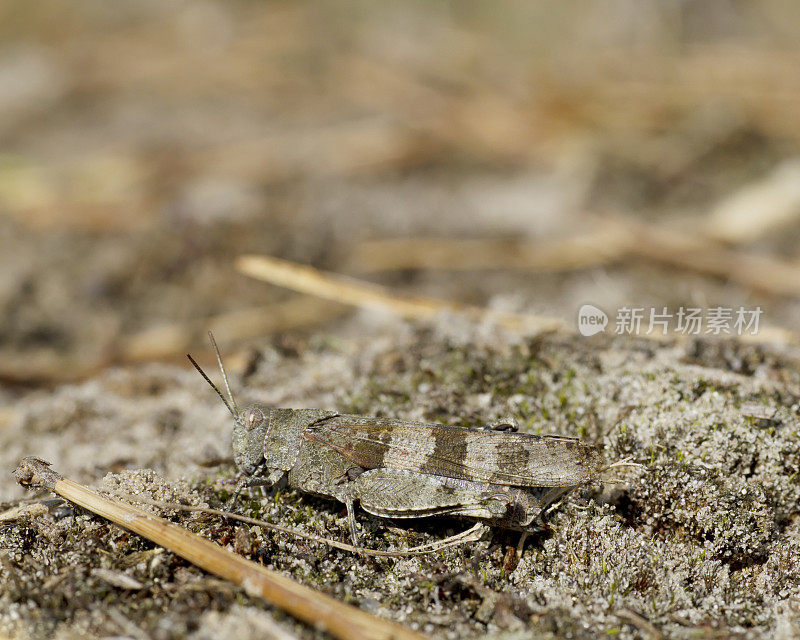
(758, 207)
(646, 241)
(617, 240)
(367, 295)
(304, 603)
(344, 148)
(165, 341)
(759, 273)
(470, 535)
(565, 254)
(42, 367)
(648, 629)
(22, 511)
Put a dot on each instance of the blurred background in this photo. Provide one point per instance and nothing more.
(527, 157)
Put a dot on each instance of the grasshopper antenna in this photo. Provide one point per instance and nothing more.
(224, 374)
(213, 386)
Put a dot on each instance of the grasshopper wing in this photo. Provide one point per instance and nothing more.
(513, 459)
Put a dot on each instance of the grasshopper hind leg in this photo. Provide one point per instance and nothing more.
(395, 493)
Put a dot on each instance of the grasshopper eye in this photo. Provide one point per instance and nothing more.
(253, 417)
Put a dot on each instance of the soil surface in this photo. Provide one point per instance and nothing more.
(703, 537)
(148, 145)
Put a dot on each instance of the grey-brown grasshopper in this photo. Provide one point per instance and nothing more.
(404, 469)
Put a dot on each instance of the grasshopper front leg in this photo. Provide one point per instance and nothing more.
(254, 480)
(323, 472)
(269, 480)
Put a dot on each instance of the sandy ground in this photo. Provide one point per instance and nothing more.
(144, 147)
(702, 539)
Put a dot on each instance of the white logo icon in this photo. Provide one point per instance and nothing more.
(591, 320)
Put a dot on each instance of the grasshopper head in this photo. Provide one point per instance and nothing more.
(263, 437)
(250, 427)
(249, 433)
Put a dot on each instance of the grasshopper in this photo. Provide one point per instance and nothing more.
(405, 469)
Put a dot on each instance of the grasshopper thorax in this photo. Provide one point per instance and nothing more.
(271, 438)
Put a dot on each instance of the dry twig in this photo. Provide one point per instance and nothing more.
(616, 239)
(577, 252)
(649, 630)
(367, 295)
(162, 342)
(304, 603)
(167, 340)
(760, 273)
(470, 535)
(758, 207)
